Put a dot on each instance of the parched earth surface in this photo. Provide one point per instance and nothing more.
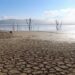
(35, 57)
(37, 53)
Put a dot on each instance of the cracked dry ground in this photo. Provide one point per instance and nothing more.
(36, 57)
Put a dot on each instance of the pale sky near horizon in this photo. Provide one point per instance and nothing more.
(38, 9)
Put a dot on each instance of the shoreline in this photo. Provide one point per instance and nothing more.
(54, 36)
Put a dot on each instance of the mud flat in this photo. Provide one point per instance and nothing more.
(5, 34)
(37, 53)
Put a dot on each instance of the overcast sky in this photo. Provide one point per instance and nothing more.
(38, 9)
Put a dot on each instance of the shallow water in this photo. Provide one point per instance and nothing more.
(65, 28)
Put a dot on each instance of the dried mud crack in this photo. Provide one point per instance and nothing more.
(36, 57)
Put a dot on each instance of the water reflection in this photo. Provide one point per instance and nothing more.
(64, 28)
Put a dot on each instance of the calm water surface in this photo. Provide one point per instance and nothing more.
(65, 28)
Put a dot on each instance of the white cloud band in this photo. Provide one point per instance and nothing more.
(66, 15)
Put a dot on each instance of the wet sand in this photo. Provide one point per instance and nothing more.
(37, 53)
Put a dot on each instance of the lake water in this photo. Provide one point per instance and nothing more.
(65, 28)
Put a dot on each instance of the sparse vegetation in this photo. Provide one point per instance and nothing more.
(58, 25)
(11, 32)
(28, 21)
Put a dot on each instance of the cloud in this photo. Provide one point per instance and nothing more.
(66, 15)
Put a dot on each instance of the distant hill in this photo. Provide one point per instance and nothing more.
(23, 21)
